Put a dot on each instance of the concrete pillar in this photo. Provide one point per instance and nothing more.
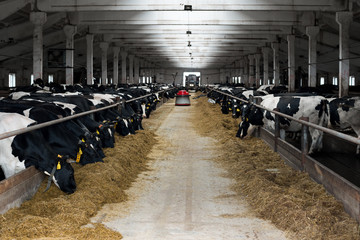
(312, 32)
(257, 69)
(276, 75)
(38, 19)
(142, 70)
(344, 20)
(123, 66)
(70, 31)
(237, 71)
(251, 70)
(246, 71)
(291, 63)
(89, 58)
(242, 63)
(116, 65)
(104, 49)
(136, 70)
(131, 69)
(266, 51)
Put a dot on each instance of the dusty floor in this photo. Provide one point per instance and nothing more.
(186, 195)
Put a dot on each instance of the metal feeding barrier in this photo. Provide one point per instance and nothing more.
(342, 189)
(23, 185)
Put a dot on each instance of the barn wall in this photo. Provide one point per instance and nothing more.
(208, 76)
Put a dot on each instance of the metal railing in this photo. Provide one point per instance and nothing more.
(53, 122)
(308, 124)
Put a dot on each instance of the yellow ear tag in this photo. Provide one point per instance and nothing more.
(59, 156)
(58, 167)
(238, 110)
(82, 140)
(247, 119)
(132, 120)
(78, 156)
(97, 131)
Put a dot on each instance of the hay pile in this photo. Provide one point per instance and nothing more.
(57, 215)
(290, 199)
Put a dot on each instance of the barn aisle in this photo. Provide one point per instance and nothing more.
(185, 194)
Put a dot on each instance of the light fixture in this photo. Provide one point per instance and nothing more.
(189, 44)
(188, 7)
(188, 32)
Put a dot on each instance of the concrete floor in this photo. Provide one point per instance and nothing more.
(186, 195)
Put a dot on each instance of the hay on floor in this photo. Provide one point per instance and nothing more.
(290, 199)
(57, 215)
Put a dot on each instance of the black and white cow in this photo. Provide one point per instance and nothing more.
(313, 107)
(345, 113)
(32, 149)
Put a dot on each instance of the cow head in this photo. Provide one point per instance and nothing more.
(236, 108)
(105, 132)
(251, 117)
(87, 152)
(64, 175)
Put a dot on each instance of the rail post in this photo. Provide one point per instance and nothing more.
(118, 100)
(277, 129)
(257, 100)
(162, 97)
(121, 105)
(304, 141)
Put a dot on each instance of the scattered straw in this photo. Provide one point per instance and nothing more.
(56, 215)
(290, 199)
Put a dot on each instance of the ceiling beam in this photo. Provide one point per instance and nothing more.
(198, 5)
(9, 7)
(268, 18)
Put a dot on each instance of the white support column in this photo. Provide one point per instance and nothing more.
(257, 69)
(312, 32)
(123, 65)
(251, 71)
(275, 48)
(104, 49)
(344, 20)
(38, 19)
(242, 63)
(291, 63)
(266, 51)
(116, 51)
(70, 31)
(131, 69)
(237, 70)
(136, 70)
(89, 58)
(147, 71)
(246, 71)
(142, 70)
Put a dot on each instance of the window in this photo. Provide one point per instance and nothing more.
(12, 80)
(51, 78)
(322, 81)
(32, 79)
(352, 81)
(335, 81)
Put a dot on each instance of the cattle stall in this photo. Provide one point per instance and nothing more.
(23, 185)
(297, 157)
